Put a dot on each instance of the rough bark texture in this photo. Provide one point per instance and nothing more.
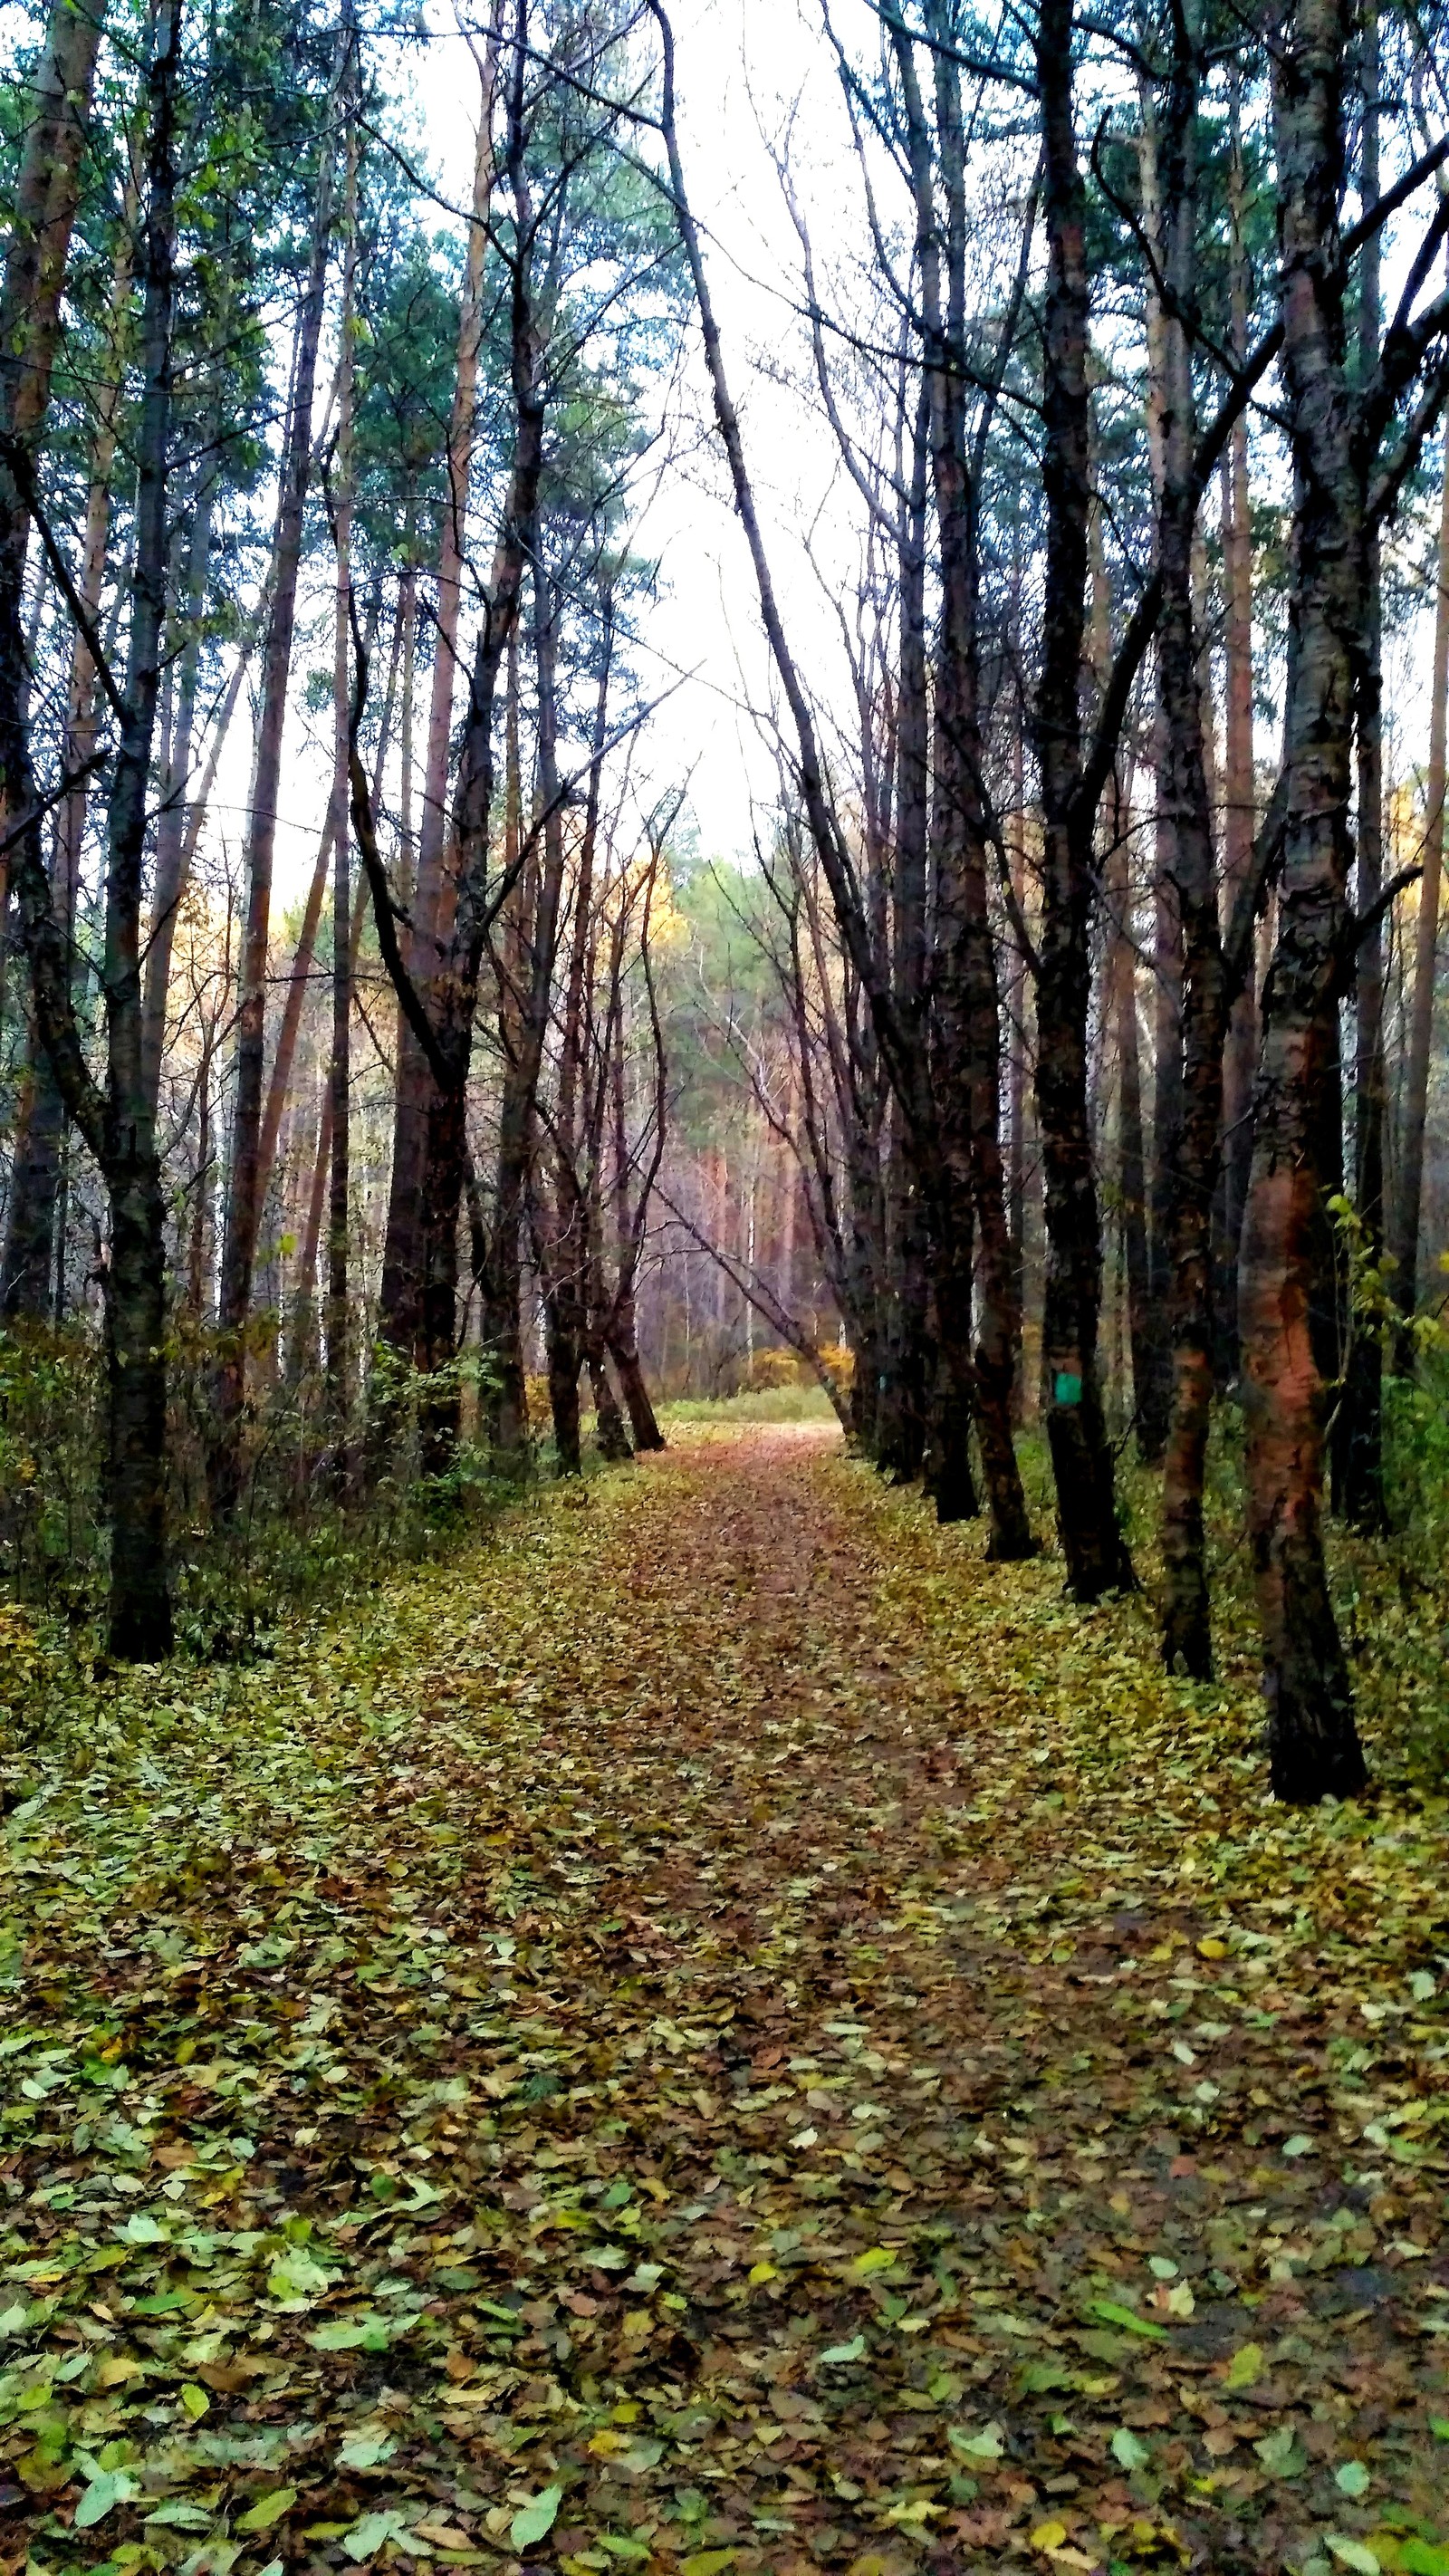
(1096, 1555)
(1183, 790)
(1239, 804)
(1131, 1153)
(1358, 1432)
(1314, 1745)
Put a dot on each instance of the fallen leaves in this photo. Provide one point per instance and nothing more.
(587, 2060)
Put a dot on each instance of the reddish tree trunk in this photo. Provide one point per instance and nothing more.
(1313, 1742)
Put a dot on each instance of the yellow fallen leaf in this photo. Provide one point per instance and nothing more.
(1049, 2535)
(1212, 1948)
(764, 2272)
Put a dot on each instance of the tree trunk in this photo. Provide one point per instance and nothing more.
(968, 1187)
(340, 1072)
(1313, 1742)
(1239, 798)
(1426, 961)
(535, 987)
(34, 1249)
(1358, 1431)
(1184, 796)
(1154, 1388)
(1131, 1155)
(136, 1320)
(404, 1257)
(1096, 1555)
(178, 823)
(46, 193)
(243, 1209)
(900, 1412)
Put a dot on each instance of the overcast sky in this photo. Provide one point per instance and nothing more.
(746, 70)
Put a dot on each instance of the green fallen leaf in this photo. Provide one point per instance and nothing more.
(111, 2487)
(851, 2351)
(1113, 2315)
(705, 2562)
(1246, 2366)
(1352, 2553)
(1299, 2146)
(987, 2445)
(194, 2401)
(876, 2258)
(368, 2535)
(1422, 2558)
(1128, 2451)
(352, 2334)
(1352, 2479)
(367, 2451)
(533, 2520)
(177, 2515)
(268, 2510)
(1281, 2453)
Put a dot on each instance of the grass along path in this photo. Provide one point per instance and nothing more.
(713, 2031)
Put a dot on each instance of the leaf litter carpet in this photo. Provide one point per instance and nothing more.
(714, 2032)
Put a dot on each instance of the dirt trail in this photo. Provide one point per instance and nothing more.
(718, 2030)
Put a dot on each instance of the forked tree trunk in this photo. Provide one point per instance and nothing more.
(404, 1256)
(1314, 1746)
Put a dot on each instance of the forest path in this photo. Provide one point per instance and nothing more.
(714, 2029)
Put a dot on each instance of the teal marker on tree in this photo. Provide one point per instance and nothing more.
(1068, 1387)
